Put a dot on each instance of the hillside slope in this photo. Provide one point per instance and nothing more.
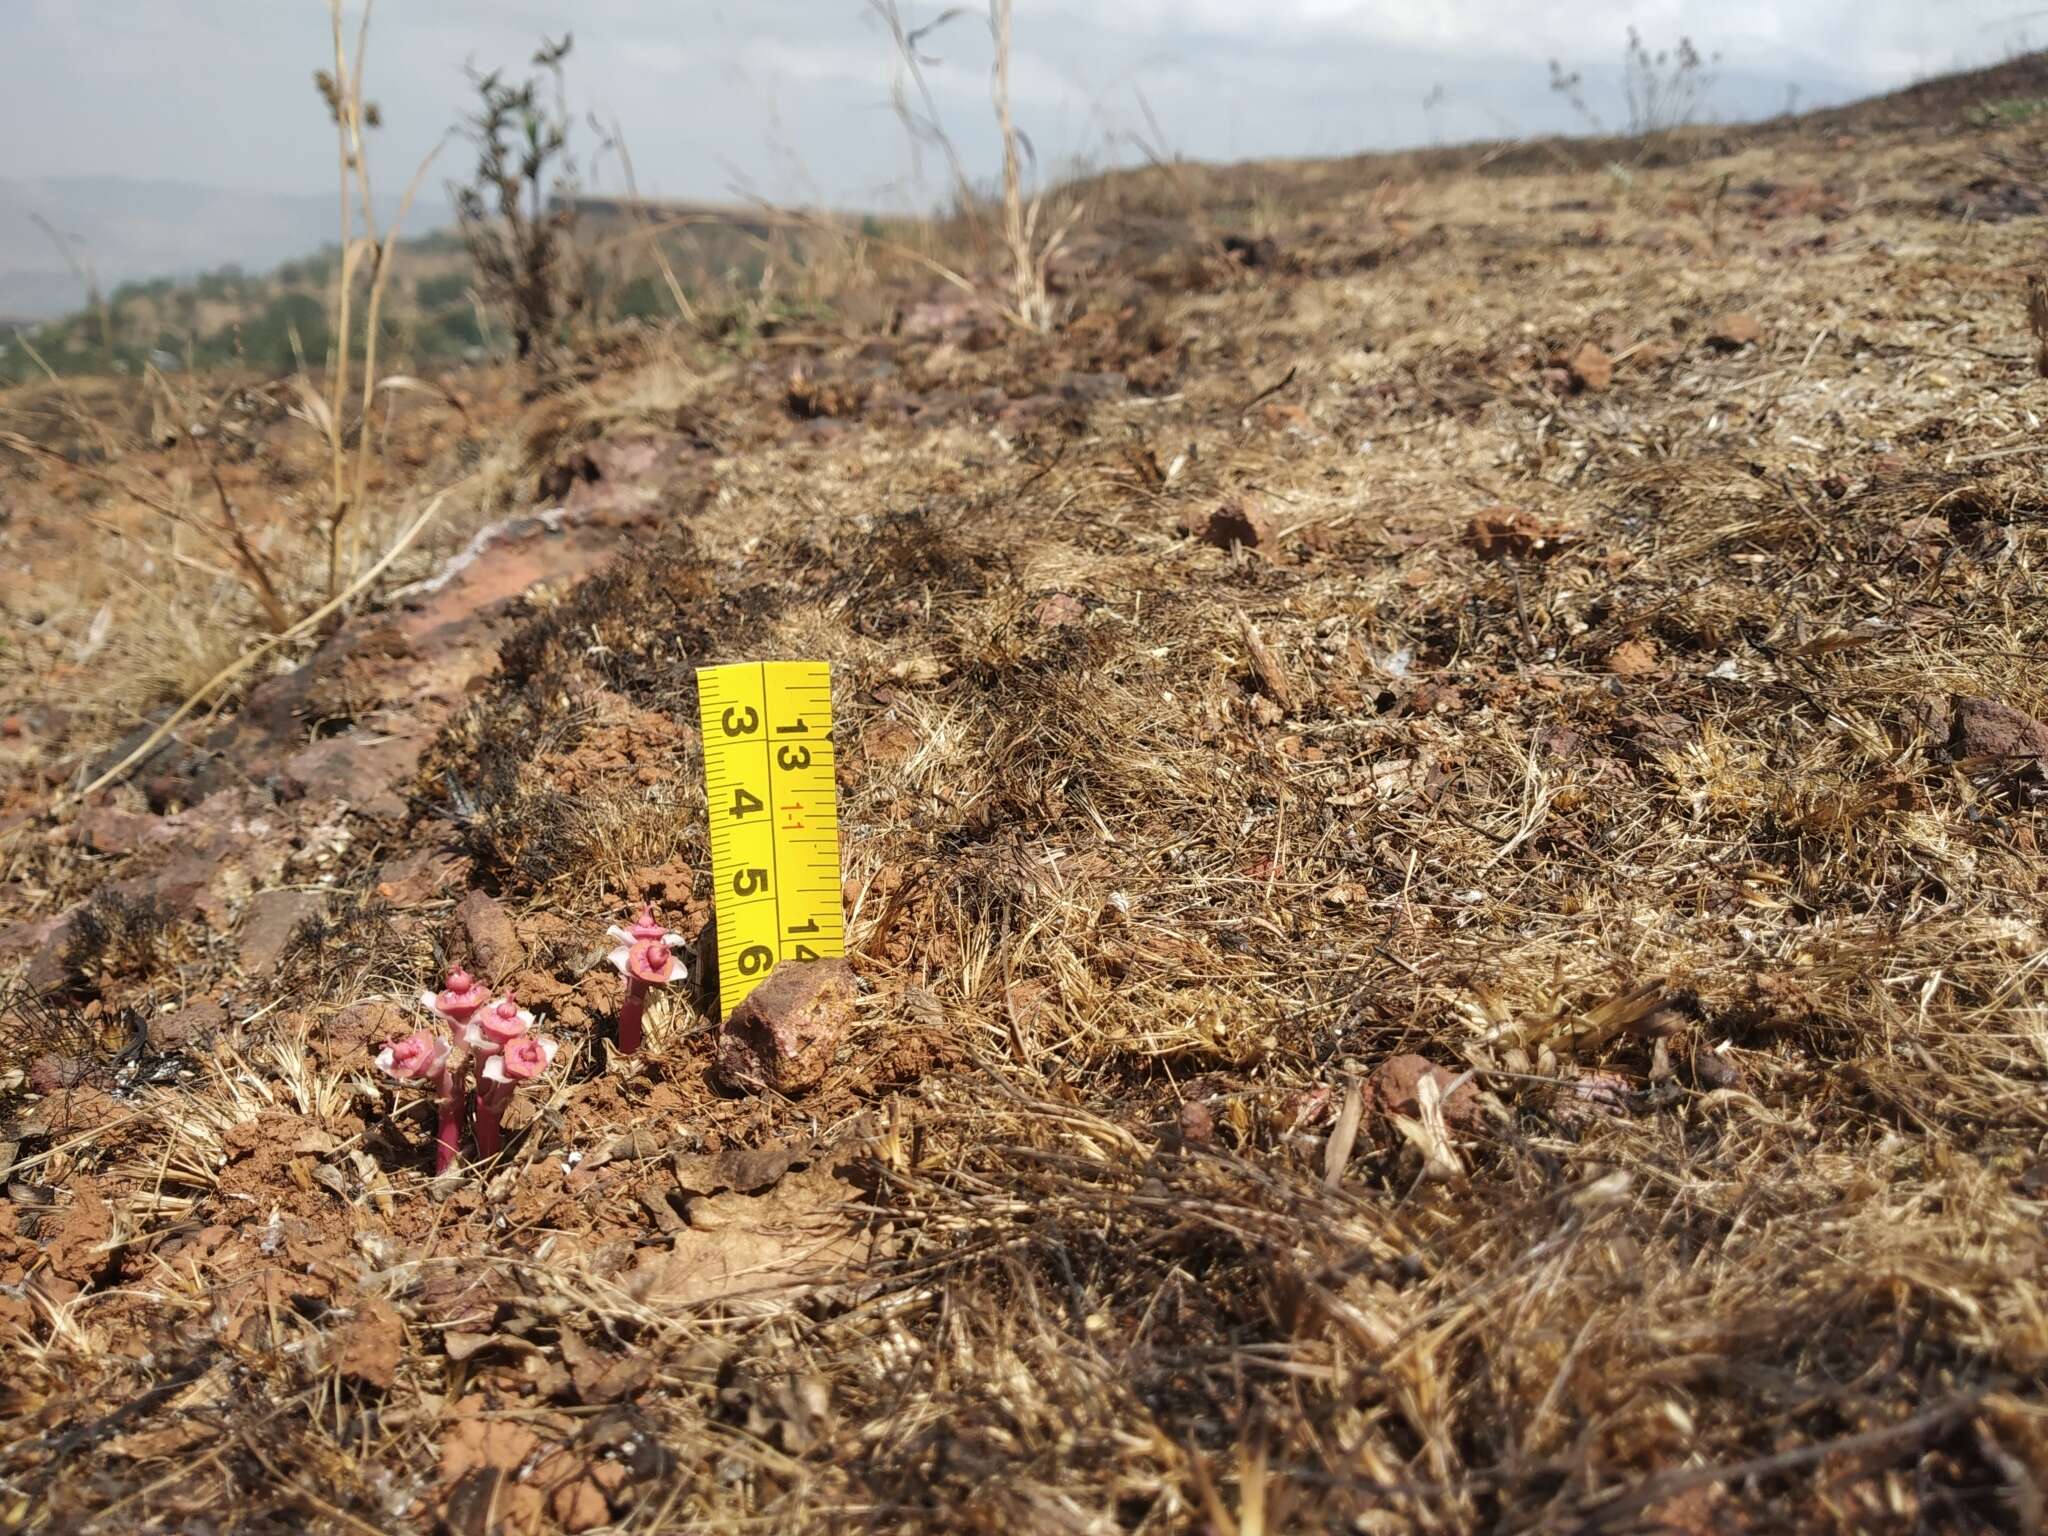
(1442, 821)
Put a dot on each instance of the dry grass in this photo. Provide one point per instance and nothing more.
(1660, 828)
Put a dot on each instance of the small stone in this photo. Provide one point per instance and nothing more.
(107, 829)
(784, 1034)
(1058, 611)
(268, 925)
(1395, 1088)
(1989, 729)
(361, 770)
(1633, 658)
(1197, 1124)
(371, 1344)
(1496, 533)
(1088, 388)
(44, 941)
(579, 1505)
(53, 1072)
(362, 1028)
(1733, 331)
(494, 947)
(1234, 523)
(1591, 368)
(417, 877)
(192, 1027)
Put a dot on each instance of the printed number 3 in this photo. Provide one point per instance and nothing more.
(740, 721)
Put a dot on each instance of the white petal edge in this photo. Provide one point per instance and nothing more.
(385, 1060)
(618, 958)
(494, 1069)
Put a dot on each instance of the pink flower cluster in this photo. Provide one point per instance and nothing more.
(492, 1038)
(489, 1047)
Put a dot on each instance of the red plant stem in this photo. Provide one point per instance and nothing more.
(448, 1138)
(629, 1015)
(491, 1099)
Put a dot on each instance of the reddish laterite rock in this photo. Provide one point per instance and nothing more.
(784, 1034)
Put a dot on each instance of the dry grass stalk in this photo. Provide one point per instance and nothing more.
(1032, 234)
(349, 484)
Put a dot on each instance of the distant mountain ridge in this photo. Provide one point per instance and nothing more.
(131, 230)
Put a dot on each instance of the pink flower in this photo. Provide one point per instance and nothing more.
(456, 1001)
(522, 1060)
(654, 962)
(422, 1057)
(419, 1055)
(646, 957)
(647, 951)
(497, 1026)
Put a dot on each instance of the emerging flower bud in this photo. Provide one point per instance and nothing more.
(459, 999)
(419, 1055)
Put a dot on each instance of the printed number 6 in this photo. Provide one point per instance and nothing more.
(755, 959)
(733, 717)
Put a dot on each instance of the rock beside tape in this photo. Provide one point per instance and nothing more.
(784, 1035)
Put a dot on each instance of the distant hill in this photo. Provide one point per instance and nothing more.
(279, 315)
(136, 231)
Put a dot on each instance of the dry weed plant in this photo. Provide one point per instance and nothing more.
(342, 90)
(1033, 231)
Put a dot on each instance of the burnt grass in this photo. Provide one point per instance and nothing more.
(1650, 739)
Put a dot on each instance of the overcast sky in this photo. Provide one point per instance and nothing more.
(790, 96)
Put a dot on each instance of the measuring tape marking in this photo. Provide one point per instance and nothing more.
(771, 801)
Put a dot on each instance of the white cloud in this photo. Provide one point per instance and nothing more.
(792, 94)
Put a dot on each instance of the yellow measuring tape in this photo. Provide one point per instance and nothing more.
(772, 799)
